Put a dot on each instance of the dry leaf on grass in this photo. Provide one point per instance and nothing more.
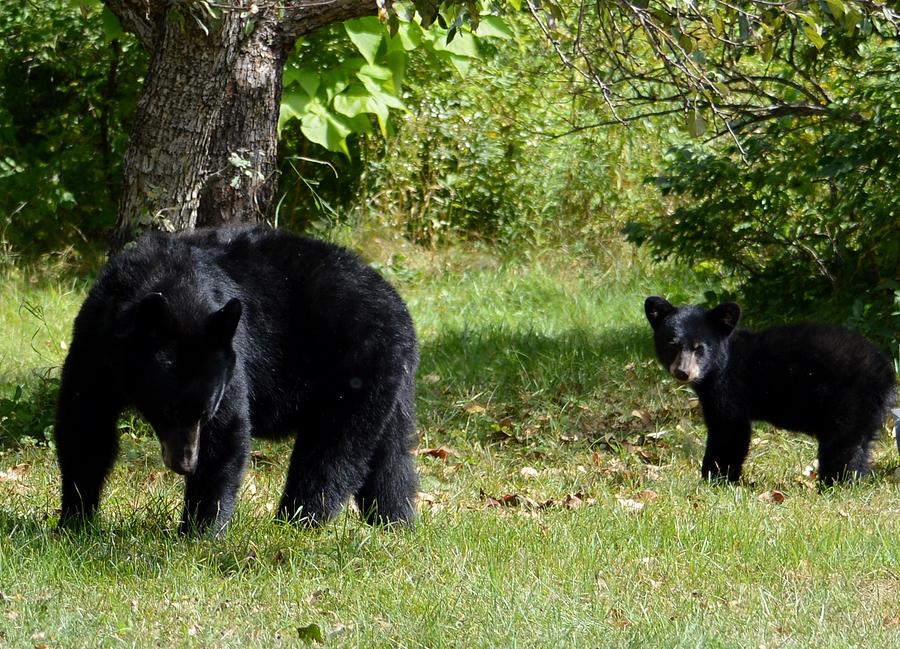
(509, 500)
(528, 472)
(15, 473)
(569, 501)
(474, 409)
(426, 498)
(892, 621)
(441, 452)
(646, 496)
(311, 634)
(638, 501)
(643, 415)
(773, 496)
(630, 504)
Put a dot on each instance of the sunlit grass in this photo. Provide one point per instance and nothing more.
(539, 378)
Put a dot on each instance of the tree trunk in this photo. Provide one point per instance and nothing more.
(203, 146)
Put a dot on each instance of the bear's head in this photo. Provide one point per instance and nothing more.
(181, 360)
(690, 341)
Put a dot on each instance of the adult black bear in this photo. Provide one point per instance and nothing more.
(219, 335)
(825, 381)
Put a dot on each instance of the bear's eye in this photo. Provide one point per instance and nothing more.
(699, 348)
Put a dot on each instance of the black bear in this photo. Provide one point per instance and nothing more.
(825, 381)
(218, 335)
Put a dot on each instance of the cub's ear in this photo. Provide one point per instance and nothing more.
(148, 318)
(725, 317)
(657, 310)
(222, 324)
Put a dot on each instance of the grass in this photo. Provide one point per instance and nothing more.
(568, 511)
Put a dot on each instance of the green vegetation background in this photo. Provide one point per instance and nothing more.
(565, 508)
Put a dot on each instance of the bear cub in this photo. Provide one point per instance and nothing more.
(824, 381)
(220, 335)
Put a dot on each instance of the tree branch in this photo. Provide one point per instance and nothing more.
(302, 17)
(139, 17)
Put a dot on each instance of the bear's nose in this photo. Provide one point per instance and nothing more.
(680, 374)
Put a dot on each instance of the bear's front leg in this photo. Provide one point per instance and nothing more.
(211, 490)
(85, 435)
(727, 445)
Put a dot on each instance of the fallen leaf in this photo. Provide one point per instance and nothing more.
(619, 619)
(509, 500)
(571, 501)
(474, 409)
(528, 472)
(773, 496)
(643, 415)
(425, 497)
(311, 633)
(630, 504)
(812, 470)
(441, 452)
(646, 496)
(15, 473)
(432, 378)
(892, 621)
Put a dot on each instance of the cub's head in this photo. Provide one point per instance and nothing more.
(691, 340)
(181, 362)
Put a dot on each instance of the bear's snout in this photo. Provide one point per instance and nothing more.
(685, 368)
(180, 451)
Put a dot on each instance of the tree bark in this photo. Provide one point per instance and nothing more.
(202, 150)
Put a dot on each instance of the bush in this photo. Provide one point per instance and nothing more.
(65, 93)
(807, 222)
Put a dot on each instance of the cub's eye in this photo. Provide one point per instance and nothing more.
(699, 348)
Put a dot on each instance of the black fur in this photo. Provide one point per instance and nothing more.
(825, 381)
(230, 333)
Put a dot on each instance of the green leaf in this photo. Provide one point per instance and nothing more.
(334, 81)
(463, 45)
(836, 7)
(309, 81)
(112, 29)
(695, 123)
(494, 27)
(813, 31)
(356, 100)
(311, 633)
(410, 35)
(366, 34)
(294, 103)
(814, 37)
(718, 24)
(462, 64)
(328, 130)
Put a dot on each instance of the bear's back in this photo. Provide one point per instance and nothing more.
(807, 376)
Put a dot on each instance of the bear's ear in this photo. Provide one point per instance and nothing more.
(222, 324)
(657, 310)
(725, 317)
(149, 317)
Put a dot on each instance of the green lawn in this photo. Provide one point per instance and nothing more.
(568, 510)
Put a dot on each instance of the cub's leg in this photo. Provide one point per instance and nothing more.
(844, 458)
(727, 445)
